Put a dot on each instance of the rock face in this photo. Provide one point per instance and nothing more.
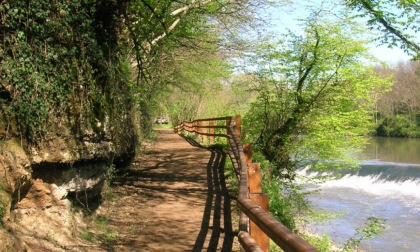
(67, 114)
(15, 176)
(39, 186)
(43, 218)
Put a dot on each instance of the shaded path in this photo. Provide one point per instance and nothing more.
(173, 199)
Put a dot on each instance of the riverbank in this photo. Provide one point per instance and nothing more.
(397, 126)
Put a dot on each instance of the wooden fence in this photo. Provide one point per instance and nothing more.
(256, 225)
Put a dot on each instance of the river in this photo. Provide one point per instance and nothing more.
(387, 186)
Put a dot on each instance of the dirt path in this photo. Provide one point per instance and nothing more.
(173, 199)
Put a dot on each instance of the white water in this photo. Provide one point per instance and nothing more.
(375, 186)
(375, 191)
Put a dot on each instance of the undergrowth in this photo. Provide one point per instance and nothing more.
(231, 179)
(99, 230)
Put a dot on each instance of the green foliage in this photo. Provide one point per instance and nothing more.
(107, 191)
(231, 180)
(163, 34)
(163, 126)
(2, 203)
(274, 247)
(195, 89)
(62, 60)
(28, 65)
(180, 51)
(283, 205)
(322, 243)
(100, 231)
(71, 62)
(315, 97)
(398, 126)
(86, 235)
(111, 235)
(397, 20)
(287, 199)
(399, 109)
(373, 226)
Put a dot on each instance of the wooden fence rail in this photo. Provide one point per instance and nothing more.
(256, 225)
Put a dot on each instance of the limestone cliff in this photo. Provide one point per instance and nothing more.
(67, 115)
(40, 184)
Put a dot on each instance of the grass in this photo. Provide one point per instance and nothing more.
(111, 236)
(99, 231)
(87, 235)
(98, 225)
(107, 234)
(163, 126)
(109, 195)
(231, 179)
(322, 243)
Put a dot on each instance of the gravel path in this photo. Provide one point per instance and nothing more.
(173, 199)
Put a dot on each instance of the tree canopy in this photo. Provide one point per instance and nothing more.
(397, 20)
(315, 96)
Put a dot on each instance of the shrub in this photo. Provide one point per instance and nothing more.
(373, 226)
(398, 126)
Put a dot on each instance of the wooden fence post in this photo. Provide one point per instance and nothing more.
(254, 178)
(248, 152)
(205, 130)
(228, 121)
(194, 124)
(260, 199)
(211, 123)
(237, 127)
(200, 130)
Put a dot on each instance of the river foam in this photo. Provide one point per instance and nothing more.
(376, 177)
(387, 190)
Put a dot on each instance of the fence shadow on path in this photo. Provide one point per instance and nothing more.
(216, 225)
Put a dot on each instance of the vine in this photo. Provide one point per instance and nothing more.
(61, 64)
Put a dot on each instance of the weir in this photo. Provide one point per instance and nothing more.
(383, 189)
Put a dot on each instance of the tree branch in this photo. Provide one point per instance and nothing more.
(184, 10)
(380, 18)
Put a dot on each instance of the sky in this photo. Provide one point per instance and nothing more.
(286, 17)
(388, 55)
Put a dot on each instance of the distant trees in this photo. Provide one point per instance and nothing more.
(407, 88)
(399, 110)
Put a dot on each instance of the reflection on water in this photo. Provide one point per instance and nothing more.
(391, 149)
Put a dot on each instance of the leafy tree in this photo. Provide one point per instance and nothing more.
(398, 20)
(201, 85)
(192, 82)
(314, 97)
(164, 33)
(76, 59)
